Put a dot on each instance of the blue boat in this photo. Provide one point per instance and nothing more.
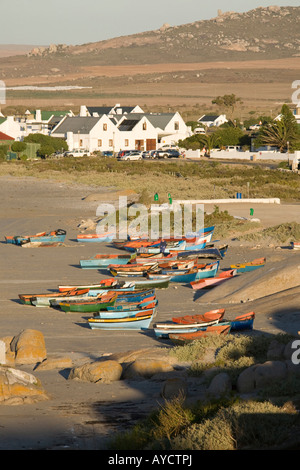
(102, 261)
(209, 271)
(134, 322)
(43, 238)
(129, 308)
(242, 322)
(250, 266)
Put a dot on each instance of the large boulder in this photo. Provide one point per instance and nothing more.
(174, 387)
(29, 347)
(98, 371)
(260, 376)
(146, 368)
(18, 387)
(220, 385)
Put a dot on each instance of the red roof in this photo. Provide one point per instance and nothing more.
(5, 136)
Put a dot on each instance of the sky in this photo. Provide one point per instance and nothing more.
(41, 22)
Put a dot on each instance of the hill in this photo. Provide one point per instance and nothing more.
(271, 32)
(255, 55)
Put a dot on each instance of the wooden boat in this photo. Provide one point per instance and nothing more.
(185, 277)
(142, 258)
(135, 322)
(57, 236)
(170, 248)
(148, 283)
(209, 253)
(131, 270)
(242, 322)
(95, 237)
(27, 299)
(123, 298)
(212, 315)
(188, 323)
(213, 281)
(109, 283)
(184, 338)
(136, 305)
(89, 306)
(250, 266)
(98, 261)
(129, 312)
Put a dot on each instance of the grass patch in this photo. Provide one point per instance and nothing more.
(229, 423)
(282, 233)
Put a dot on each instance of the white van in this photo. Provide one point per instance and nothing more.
(232, 148)
(77, 153)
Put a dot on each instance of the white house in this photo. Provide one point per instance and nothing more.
(213, 120)
(89, 133)
(170, 127)
(136, 132)
(114, 130)
(12, 128)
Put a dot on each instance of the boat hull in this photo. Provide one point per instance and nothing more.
(129, 323)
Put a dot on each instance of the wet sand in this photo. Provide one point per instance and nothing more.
(81, 415)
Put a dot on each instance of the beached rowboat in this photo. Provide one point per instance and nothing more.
(136, 322)
(250, 266)
(213, 281)
(99, 261)
(54, 237)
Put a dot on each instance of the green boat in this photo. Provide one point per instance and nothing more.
(88, 306)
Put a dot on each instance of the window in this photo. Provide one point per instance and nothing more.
(176, 126)
(105, 126)
(99, 142)
(110, 142)
(126, 143)
(80, 143)
(144, 126)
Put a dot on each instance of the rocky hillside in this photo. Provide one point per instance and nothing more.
(270, 32)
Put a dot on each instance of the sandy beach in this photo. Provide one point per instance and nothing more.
(82, 415)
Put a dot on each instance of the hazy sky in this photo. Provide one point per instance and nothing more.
(41, 22)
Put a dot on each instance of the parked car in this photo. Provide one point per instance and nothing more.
(149, 154)
(173, 153)
(134, 155)
(77, 153)
(124, 152)
(168, 153)
(107, 153)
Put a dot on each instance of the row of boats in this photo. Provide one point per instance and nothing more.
(128, 299)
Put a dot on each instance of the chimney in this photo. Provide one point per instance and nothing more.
(83, 111)
(38, 115)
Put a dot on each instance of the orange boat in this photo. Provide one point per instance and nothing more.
(212, 315)
(213, 281)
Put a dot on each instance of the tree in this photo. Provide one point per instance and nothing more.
(56, 143)
(228, 103)
(209, 141)
(46, 150)
(18, 147)
(282, 133)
